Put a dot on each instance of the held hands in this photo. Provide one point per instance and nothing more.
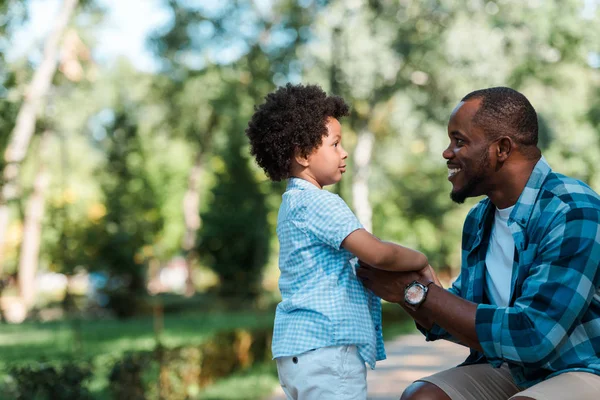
(390, 285)
(429, 273)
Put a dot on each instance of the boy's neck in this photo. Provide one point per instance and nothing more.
(304, 173)
(308, 178)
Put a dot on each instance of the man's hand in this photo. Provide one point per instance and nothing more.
(390, 285)
(449, 311)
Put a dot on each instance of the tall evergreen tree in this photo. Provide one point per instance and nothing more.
(234, 239)
(132, 218)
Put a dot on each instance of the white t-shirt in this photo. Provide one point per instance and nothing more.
(499, 259)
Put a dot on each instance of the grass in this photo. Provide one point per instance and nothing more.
(255, 383)
(58, 340)
(103, 342)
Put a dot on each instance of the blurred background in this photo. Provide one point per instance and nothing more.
(138, 255)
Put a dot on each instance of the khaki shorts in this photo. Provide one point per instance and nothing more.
(484, 382)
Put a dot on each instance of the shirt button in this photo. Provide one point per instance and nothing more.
(377, 328)
(295, 360)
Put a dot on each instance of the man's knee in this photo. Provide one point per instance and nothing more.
(424, 391)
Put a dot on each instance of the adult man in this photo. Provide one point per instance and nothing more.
(527, 301)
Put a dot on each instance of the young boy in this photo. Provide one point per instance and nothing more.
(327, 325)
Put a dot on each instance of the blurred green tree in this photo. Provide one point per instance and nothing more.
(125, 235)
(205, 83)
(235, 236)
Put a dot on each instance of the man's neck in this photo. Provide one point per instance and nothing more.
(507, 191)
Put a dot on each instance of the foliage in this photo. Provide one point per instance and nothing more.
(104, 341)
(115, 203)
(44, 381)
(179, 373)
(235, 236)
(125, 235)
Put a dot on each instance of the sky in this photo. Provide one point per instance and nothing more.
(124, 31)
(127, 24)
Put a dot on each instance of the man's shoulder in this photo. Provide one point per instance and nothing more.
(570, 192)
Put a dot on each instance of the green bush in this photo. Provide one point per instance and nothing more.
(115, 244)
(235, 235)
(180, 373)
(44, 381)
(126, 380)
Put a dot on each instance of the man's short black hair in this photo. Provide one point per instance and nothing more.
(292, 119)
(504, 111)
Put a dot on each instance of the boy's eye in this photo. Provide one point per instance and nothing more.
(336, 144)
(459, 142)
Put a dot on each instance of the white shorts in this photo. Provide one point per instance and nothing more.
(336, 372)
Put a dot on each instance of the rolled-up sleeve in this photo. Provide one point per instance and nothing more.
(556, 292)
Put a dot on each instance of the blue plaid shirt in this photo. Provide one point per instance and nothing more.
(323, 302)
(552, 322)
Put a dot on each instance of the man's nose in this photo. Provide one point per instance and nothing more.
(448, 153)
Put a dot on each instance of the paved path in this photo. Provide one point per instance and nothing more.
(409, 357)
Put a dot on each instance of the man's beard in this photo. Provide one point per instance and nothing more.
(479, 176)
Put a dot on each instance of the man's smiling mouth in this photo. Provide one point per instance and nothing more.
(453, 171)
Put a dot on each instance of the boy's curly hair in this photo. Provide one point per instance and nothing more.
(293, 118)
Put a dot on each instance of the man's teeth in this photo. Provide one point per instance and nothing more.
(453, 171)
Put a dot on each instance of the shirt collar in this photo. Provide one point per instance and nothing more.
(299, 184)
(525, 205)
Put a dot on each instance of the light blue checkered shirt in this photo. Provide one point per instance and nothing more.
(323, 302)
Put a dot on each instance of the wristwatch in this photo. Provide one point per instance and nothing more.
(415, 294)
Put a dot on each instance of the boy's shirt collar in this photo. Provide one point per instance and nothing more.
(300, 184)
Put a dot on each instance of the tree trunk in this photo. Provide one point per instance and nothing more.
(191, 215)
(32, 229)
(191, 204)
(26, 118)
(360, 183)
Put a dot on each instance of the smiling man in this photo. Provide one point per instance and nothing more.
(527, 300)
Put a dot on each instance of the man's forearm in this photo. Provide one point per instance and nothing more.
(452, 313)
(418, 317)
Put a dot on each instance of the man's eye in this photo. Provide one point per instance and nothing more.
(460, 142)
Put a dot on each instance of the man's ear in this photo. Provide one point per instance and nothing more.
(504, 148)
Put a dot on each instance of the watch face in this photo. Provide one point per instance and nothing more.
(414, 293)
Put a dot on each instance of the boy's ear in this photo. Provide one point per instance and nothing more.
(301, 159)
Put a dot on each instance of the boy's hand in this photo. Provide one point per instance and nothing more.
(429, 273)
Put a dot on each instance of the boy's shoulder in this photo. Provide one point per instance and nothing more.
(318, 203)
(319, 198)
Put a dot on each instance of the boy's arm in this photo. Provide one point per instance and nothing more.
(383, 255)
